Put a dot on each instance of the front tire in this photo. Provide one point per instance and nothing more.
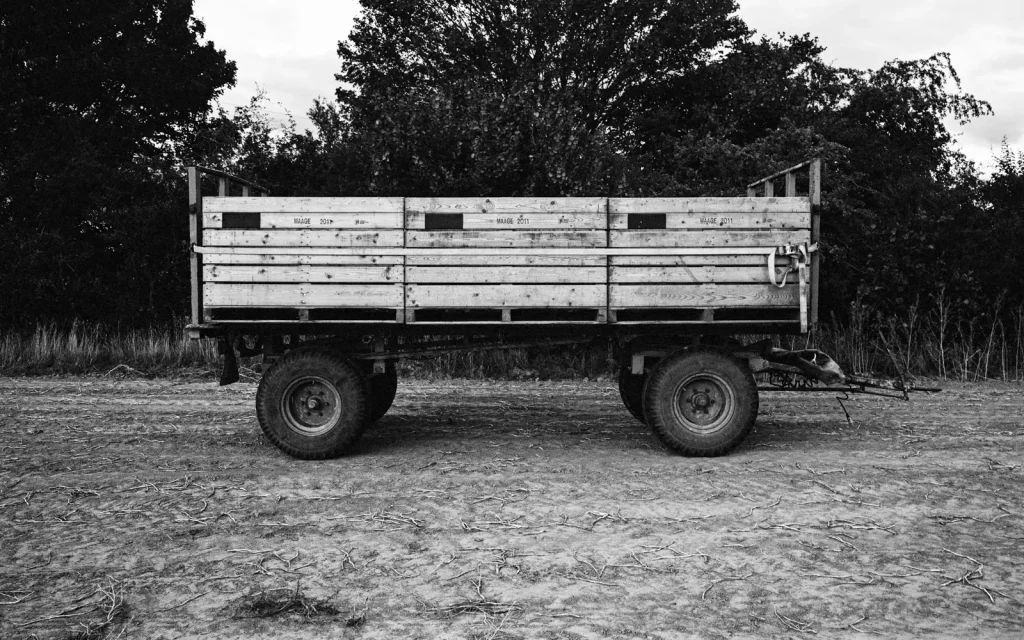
(312, 403)
(701, 403)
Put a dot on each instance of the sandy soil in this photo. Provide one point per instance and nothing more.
(156, 509)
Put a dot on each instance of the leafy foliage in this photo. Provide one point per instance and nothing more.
(480, 97)
(93, 95)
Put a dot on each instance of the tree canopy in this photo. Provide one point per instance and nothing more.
(103, 103)
(94, 96)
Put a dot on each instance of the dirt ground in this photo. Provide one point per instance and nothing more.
(156, 509)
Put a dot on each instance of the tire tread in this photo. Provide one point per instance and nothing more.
(660, 380)
(318, 360)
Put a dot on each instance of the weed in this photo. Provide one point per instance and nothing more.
(275, 602)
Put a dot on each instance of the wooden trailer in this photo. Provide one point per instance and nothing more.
(332, 291)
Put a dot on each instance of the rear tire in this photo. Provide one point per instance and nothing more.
(312, 403)
(701, 403)
(631, 388)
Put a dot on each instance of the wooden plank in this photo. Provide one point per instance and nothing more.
(505, 295)
(696, 275)
(492, 252)
(449, 260)
(276, 204)
(344, 220)
(302, 238)
(760, 220)
(708, 205)
(815, 197)
(302, 273)
(746, 326)
(814, 178)
(779, 174)
(195, 229)
(757, 260)
(302, 295)
(296, 259)
(508, 206)
(626, 296)
(534, 220)
(494, 239)
(717, 239)
(511, 275)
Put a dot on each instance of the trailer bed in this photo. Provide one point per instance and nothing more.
(332, 291)
(742, 261)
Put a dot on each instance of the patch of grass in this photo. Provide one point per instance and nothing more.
(277, 602)
(941, 341)
(49, 349)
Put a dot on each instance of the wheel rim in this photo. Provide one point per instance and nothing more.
(704, 403)
(311, 406)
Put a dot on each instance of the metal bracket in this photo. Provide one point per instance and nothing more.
(638, 361)
(379, 364)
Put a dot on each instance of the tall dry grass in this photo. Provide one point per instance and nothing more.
(940, 342)
(49, 349)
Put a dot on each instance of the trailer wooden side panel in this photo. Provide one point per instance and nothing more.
(488, 259)
(706, 285)
(267, 282)
(459, 282)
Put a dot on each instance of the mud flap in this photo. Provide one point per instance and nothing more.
(230, 373)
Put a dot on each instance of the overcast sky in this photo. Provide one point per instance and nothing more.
(290, 49)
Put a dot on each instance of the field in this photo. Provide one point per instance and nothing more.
(133, 508)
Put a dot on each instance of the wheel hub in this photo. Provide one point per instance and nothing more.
(311, 405)
(703, 402)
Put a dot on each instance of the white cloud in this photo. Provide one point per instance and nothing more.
(983, 37)
(290, 50)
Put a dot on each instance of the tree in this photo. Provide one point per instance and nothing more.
(998, 230)
(530, 96)
(93, 93)
(904, 194)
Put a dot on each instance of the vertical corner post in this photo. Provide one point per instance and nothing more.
(195, 220)
(815, 196)
(814, 184)
(604, 314)
(406, 315)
